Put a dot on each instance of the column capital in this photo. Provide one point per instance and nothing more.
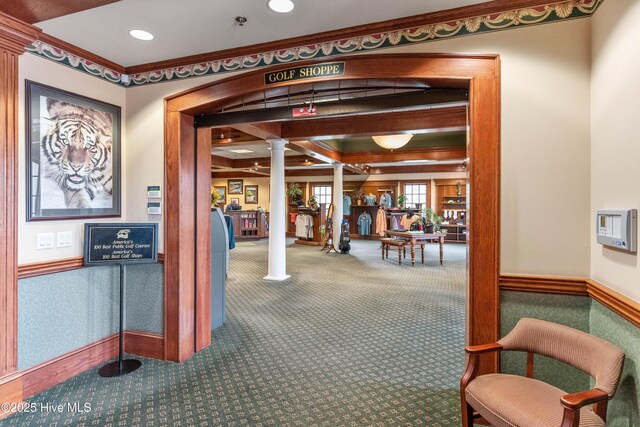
(16, 35)
(338, 166)
(277, 144)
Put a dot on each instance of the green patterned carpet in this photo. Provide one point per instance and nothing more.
(349, 340)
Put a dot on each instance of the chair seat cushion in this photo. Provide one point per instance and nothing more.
(515, 401)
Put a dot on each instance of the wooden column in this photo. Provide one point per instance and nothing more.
(15, 36)
(203, 238)
(179, 232)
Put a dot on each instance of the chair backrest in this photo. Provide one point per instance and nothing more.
(598, 358)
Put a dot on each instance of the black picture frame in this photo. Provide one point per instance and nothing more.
(251, 194)
(234, 186)
(56, 187)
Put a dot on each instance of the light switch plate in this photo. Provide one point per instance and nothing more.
(45, 241)
(64, 239)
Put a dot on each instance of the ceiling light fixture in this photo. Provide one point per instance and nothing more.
(280, 6)
(141, 35)
(241, 151)
(392, 142)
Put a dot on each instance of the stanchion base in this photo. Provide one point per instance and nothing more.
(113, 369)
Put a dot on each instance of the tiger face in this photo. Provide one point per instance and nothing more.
(77, 148)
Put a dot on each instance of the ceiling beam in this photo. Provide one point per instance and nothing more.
(323, 153)
(434, 153)
(342, 108)
(421, 121)
(221, 162)
(393, 170)
(260, 130)
(266, 162)
(356, 169)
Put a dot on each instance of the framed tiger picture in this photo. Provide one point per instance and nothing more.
(73, 155)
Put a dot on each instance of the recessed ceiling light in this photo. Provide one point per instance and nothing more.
(242, 151)
(280, 6)
(141, 35)
(285, 148)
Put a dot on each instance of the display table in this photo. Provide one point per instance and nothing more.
(419, 239)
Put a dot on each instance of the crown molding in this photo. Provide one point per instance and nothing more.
(481, 18)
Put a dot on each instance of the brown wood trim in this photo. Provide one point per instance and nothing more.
(10, 391)
(203, 241)
(482, 9)
(180, 236)
(543, 284)
(33, 11)
(144, 344)
(49, 267)
(68, 365)
(616, 302)
(15, 36)
(75, 50)
(57, 266)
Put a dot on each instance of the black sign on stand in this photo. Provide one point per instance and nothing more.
(121, 244)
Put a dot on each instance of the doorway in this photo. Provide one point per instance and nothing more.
(187, 174)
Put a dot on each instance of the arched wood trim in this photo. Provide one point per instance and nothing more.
(479, 73)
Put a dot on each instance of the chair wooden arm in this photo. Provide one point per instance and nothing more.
(576, 401)
(481, 349)
(573, 402)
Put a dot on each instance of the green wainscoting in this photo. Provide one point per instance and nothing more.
(624, 408)
(61, 312)
(582, 313)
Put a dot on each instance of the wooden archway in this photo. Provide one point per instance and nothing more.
(187, 183)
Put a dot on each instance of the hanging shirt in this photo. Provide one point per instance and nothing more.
(304, 226)
(364, 224)
(386, 200)
(406, 221)
(370, 200)
(346, 205)
(381, 222)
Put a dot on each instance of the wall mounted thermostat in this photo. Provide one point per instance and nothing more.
(617, 228)
(153, 208)
(153, 192)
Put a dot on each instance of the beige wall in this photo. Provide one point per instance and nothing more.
(145, 130)
(263, 191)
(52, 74)
(615, 141)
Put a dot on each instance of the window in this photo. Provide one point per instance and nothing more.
(322, 193)
(416, 194)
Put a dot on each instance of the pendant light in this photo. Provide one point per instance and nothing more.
(392, 142)
(280, 6)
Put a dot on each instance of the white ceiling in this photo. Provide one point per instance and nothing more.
(259, 149)
(188, 27)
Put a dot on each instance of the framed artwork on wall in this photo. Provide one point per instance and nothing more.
(251, 194)
(73, 155)
(235, 200)
(235, 186)
(222, 191)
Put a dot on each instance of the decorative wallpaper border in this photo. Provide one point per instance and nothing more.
(553, 12)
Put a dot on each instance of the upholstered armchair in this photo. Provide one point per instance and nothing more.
(516, 401)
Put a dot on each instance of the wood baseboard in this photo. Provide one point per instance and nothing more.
(55, 371)
(10, 392)
(57, 266)
(614, 301)
(24, 384)
(144, 344)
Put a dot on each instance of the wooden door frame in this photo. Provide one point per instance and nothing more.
(186, 275)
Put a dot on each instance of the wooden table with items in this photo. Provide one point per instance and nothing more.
(418, 238)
